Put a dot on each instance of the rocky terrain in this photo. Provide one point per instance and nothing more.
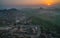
(13, 19)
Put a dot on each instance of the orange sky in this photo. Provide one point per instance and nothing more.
(30, 2)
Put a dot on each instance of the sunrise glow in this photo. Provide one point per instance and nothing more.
(29, 2)
(49, 2)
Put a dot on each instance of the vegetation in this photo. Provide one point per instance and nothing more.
(47, 26)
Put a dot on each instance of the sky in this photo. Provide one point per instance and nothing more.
(10, 3)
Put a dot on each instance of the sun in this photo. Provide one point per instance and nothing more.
(48, 2)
